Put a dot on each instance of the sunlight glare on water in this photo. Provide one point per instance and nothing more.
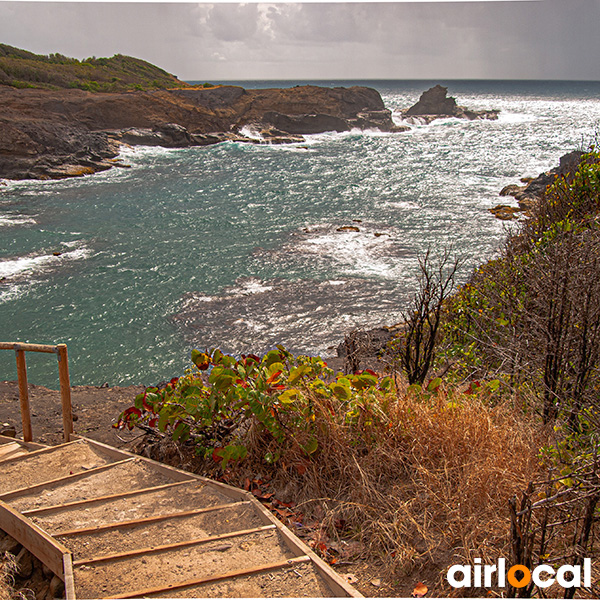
(240, 245)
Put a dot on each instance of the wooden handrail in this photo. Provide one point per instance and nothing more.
(63, 376)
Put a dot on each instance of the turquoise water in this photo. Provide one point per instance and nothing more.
(237, 245)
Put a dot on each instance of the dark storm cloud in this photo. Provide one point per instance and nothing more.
(543, 39)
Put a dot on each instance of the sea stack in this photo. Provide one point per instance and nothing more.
(436, 104)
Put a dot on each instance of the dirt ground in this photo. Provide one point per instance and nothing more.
(95, 410)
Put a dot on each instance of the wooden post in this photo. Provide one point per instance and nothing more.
(65, 390)
(24, 395)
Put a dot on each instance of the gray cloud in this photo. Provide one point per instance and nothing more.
(545, 39)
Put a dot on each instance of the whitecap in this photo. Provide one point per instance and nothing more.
(15, 220)
(36, 263)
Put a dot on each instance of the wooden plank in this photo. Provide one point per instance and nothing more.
(65, 391)
(174, 546)
(156, 488)
(146, 520)
(69, 478)
(68, 576)
(44, 450)
(35, 539)
(29, 347)
(24, 395)
(339, 585)
(214, 578)
(8, 451)
(174, 472)
(4, 439)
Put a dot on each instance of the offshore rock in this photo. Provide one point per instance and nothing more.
(436, 104)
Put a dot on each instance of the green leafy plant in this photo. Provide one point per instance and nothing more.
(279, 396)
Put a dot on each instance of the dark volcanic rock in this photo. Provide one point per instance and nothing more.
(213, 98)
(536, 186)
(50, 150)
(528, 195)
(436, 104)
(301, 124)
(66, 133)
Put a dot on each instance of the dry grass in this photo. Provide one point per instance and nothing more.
(7, 568)
(425, 486)
(426, 491)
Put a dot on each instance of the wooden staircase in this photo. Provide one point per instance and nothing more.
(112, 524)
(115, 525)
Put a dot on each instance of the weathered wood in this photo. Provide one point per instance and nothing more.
(65, 391)
(24, 395)
(214, 578)
(29, 347)
(99, 499)
(36, 540)
(42, 450)
(145, 520)
(29, 445)
(66, 478)
(8, 451)
(174, 546)
(68, 576)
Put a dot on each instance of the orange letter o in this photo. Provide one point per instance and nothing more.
(514, 581)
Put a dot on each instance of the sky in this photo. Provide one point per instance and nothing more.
(538, 39)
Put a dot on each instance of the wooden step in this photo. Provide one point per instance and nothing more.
(113, 524)
(145, 503)
(121, 476)
(169, 529)
(11, 450)
(158, 570)
(48, 464)
(296, 580)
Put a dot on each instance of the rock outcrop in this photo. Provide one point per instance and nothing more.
(436, 104)
(64, 133)
(534, 188)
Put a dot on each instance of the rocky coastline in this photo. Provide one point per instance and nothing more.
(53, 134)
(528, 194)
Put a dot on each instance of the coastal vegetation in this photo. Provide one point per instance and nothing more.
(23, 69)
(480, 442)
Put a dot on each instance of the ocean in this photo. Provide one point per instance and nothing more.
(237, 245)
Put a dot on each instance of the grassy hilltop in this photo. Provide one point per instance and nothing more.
(23, 69)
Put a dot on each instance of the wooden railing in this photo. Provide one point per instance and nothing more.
(63, 375)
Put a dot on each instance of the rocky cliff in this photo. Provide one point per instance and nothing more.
(70, 132)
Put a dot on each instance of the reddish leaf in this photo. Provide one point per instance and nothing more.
(247, 484)
(262, 496)
(153, 422)
(215, 454)
(286, 504)
(273, 377)
(132, 410)
(301, 468)
(420, 590)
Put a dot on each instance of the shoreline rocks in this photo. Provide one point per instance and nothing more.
(535, 187)
(47, 134)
